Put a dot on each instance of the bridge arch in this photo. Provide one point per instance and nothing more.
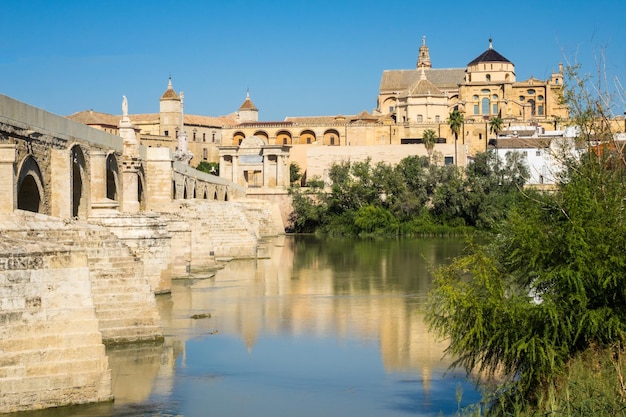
(113, 178)
(30, 191)
(79, 182)
(141, 180)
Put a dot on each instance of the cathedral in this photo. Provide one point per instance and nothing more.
(409, 102)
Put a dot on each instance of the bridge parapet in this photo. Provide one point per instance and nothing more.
(191, 183)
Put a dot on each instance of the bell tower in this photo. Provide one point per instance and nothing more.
(423, 59)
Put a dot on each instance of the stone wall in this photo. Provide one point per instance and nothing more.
(51, 350)
(318, 159)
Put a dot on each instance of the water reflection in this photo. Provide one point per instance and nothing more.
(315, 328)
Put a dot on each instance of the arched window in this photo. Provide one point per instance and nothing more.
(485, 104)
(488, 76)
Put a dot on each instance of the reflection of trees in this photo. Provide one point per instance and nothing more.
(404, 265)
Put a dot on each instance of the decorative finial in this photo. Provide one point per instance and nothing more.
(490, 45)
(124, 106)
(424, 40)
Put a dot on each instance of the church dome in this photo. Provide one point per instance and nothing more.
(490, 55)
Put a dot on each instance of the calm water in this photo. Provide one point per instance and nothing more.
(318, 328)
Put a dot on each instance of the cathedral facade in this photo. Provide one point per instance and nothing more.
(409, 102)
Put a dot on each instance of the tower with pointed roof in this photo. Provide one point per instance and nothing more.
(170, 112)
(248, 112)
(423, 59)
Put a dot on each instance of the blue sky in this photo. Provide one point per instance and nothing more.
(297, 58)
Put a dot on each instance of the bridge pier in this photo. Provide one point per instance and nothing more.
(8, 156)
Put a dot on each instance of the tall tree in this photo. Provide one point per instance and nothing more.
(455, 120)
(429, 138)
(495, 125)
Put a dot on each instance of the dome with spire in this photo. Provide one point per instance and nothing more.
(490, 55)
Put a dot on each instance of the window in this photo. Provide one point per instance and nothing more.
(448, 160)
(530, 92)
(390, 109)
(522, 98)
(488, 76)
(539, 98)
(437, 118)
(538, 153)
(194, 135)
(420, 118)
(480, 136)
(475, 108)
(485, 91)
(166, 133)
(213, 137)
(203, 137)
(495, 97)
(475, 97)
(540, 110)
(205, 154)
(494, 109)
(485, 105)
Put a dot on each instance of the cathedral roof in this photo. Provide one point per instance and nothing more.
(490, 55)
(422, 87)
(443, 79)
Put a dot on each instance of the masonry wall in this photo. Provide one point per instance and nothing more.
(318, 159)
(51, 351)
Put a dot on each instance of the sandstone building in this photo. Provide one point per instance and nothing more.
(409, 102)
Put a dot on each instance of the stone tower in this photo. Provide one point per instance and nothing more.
(248, 112)
(423, 59)
(170, 112)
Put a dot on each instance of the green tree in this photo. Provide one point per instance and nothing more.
(495, 125)
(550, 288)
(209, 167)
(455, 120)
(294, 173)
(429, 138)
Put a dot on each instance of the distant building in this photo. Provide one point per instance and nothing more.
(409, 102)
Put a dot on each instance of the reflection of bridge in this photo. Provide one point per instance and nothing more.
(92, 225)
(66, 169)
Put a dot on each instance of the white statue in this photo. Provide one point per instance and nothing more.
(124, 106)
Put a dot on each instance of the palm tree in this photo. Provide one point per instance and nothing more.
(429, 138)
(495, 125)
(456, 123)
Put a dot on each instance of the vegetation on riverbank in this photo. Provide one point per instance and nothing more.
(412, 198)
(542, 307)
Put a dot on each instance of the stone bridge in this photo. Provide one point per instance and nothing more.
(92, 226)
(66, 169)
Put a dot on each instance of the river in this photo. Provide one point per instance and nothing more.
(313, 328)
